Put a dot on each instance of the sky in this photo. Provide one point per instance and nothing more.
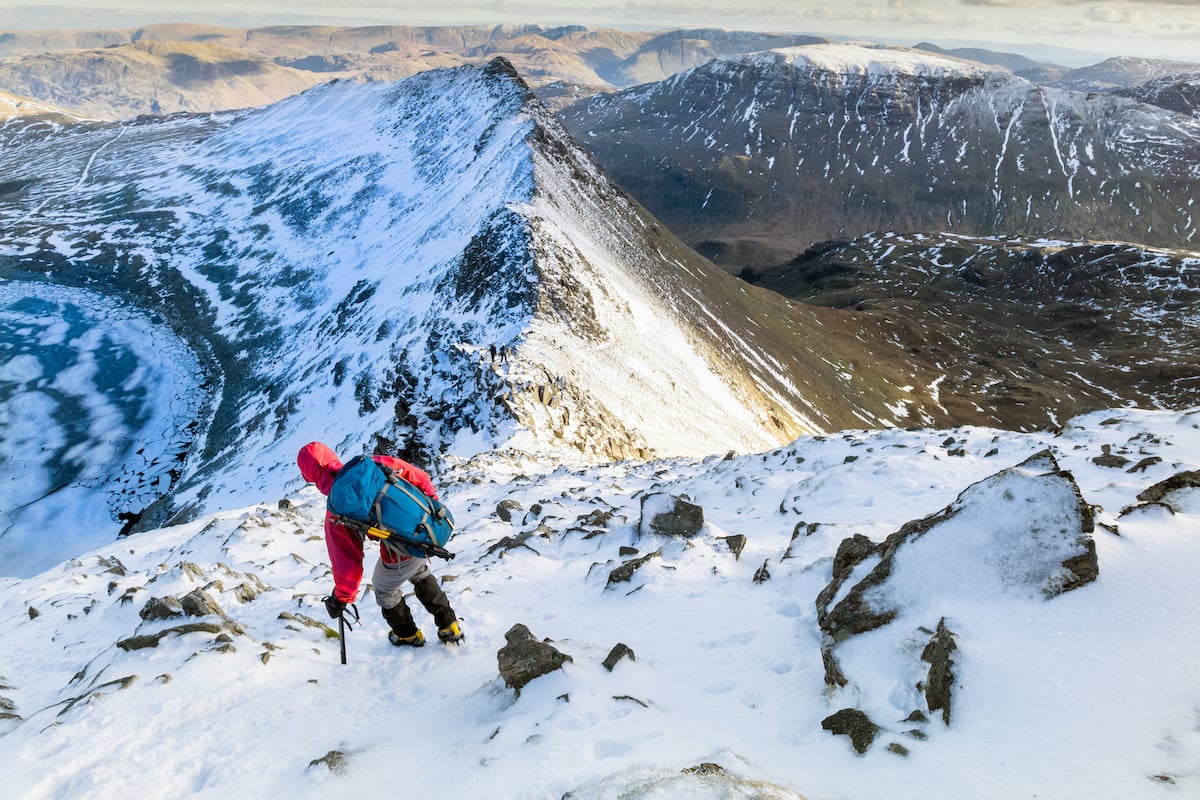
(1167, 29)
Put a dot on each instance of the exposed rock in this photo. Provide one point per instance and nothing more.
(598, 518)
(762, 574)
(1025, 530)
(509, 543)
(525, 658)
(626, 570)
(850, 553)
(897, 748)
(1110, 459)
(669, 515)
(198, 603)
(34, 613)
(705, 768)
(506, 508)
(626, 550)
(939, 654)
(114, 685)
(308, 621)
(334, 761)
(152, 640)
(618, 652)
(736, 543)
(1161, 492)
(1148, 461)
(161, 608)
(855, 724)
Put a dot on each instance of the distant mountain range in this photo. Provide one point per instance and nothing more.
(161, 69)
(753, 158)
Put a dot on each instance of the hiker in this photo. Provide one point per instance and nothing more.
(493, 351)
(320, 465)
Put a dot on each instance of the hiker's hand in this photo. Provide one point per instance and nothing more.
(334, 606)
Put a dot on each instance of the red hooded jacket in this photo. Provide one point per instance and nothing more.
(320, 465)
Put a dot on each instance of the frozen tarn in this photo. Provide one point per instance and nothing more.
(100, 406)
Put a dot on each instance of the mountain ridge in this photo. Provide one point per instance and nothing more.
(340, 260)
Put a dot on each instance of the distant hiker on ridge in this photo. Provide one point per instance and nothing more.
(320, 465)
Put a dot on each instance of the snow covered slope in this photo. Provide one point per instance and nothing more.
(751, 159)
(1090, 693)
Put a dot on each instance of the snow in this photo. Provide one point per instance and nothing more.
(77, 447)
(848, 59)
(1092, 693)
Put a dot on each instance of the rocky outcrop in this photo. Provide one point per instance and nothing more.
(1167, 492)
(668, 515)
(624, 572)
(855, 724)
(1023, 532)
(939, 654)
(619, 651)
(524, 658)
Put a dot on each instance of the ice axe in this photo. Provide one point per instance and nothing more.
(342, 623)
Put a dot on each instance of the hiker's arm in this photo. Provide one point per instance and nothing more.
(346, 559)
(414, 475)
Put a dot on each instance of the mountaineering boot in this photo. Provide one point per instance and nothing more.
(451, 633)
(416, 640)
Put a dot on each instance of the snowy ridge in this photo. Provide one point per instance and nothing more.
(1090, 693)
(873, 61)
(342, 265)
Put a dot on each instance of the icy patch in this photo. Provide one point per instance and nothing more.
(98, 408)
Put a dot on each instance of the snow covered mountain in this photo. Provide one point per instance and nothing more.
(751, 159)
(1031, 630)
(340, 265)
(1124, 72)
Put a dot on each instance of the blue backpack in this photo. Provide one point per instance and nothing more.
(373, 501)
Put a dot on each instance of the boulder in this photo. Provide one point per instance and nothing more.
(618, 652)
(1171, 491)
(736, 544)
(855, 724)
(625, 571)
(199, 603)
(668, 515)
(524, 658)
(161, 608)
(506, 508)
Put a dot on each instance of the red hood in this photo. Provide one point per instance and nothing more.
(318, 464)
